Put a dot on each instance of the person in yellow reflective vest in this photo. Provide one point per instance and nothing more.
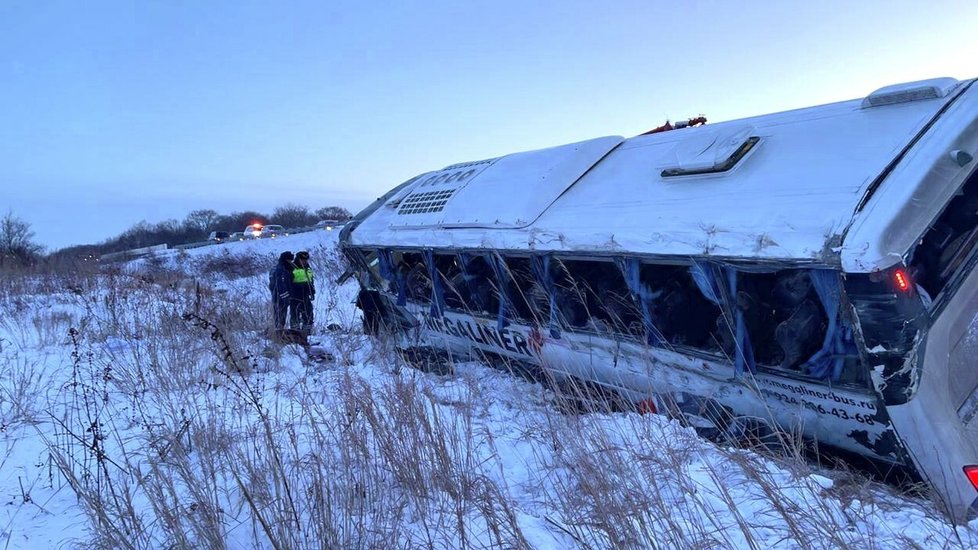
(303, 292)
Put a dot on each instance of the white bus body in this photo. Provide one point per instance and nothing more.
(814, 269)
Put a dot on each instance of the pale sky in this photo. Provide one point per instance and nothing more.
(117, 112)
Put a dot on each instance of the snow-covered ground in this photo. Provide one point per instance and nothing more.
(144, 408)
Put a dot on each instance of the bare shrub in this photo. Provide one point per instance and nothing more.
(232, 266)
(22, 383)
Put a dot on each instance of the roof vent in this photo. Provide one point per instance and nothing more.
(911, 91)
(425, 202)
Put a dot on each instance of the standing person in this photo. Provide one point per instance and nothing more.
(303, 293)
(280, 285)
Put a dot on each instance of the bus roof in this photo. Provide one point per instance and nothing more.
(784, 186)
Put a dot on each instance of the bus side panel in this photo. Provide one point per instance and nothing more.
(838, 417)
(937, 440)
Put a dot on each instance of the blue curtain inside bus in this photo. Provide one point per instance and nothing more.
(437, 292)
(544, 275)
(502, 279)
(710, 279)
(631, 269)
(828, 362)
(395, 277)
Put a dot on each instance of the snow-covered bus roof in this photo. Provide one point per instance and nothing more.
(784, 186)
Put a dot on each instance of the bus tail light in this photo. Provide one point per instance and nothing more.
(901, 279)
(647, 406)
(972, 472)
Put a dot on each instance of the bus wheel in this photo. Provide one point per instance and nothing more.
(756, 434)
(428, 360)
(576, 396)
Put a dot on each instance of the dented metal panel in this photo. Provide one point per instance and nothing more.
(903, 200)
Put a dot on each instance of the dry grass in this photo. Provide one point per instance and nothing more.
(175, 427)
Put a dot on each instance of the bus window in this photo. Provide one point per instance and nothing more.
(450, 272)
(682, 315)
(526, 295)
(571, 298)
(592, 295)
(784, 317)
(477, 287)
(411, 269)
(948, 242)
(367, 258)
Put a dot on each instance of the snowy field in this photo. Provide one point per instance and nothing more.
(143, 408)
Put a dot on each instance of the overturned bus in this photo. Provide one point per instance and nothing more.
(812, 269)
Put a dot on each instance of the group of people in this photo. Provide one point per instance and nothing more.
(293, 290)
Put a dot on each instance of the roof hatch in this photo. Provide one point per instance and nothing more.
(709, 150)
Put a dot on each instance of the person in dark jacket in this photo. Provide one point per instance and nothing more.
(303, 292)
(280, 285)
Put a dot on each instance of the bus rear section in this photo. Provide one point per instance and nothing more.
(925, 355)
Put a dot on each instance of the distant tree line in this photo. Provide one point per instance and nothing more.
(197, 226)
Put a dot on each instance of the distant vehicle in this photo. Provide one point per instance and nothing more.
(252, 231)
(328, 225)
(272, 231)
(813, 271)
(219, 236)
(236, 236)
